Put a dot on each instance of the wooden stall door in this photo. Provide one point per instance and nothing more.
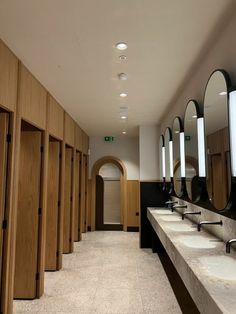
(84, 187)
(27, 216)
(77, 235)
(67, 201)
(4, 124)
(52, 206)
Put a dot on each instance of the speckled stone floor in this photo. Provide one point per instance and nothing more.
(107, 274)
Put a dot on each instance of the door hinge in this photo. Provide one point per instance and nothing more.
(4, 224)
(37, 276)
(41, 149)
(8, 138)
(40, 211)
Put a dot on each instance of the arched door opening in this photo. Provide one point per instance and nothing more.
(109, 200)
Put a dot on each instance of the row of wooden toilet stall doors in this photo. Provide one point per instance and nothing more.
(43, 182)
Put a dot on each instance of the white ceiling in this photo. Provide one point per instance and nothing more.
(69, 46)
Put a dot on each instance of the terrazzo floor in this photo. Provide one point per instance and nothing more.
(107, 273)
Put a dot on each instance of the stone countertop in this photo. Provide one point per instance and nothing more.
(199, 257)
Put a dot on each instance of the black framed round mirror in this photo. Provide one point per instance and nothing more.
(218, 168)
(161, 161)
(168, 159)
(191, 149)
(177, 130)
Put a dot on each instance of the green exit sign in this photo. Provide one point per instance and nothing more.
(108, 138)
(187, 137)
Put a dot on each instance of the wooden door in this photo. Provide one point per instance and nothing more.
(77, 235)
(84, 193)
(4, 125)
(67, 201)
(28, 211)
(52, 206)
(218, 181)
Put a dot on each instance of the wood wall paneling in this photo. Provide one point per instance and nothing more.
(67, 200)
(133, 203)
(32, 99)
(52, 206)
(78, 138)
(69, 134)
(8, 78)
(27, 238)
(85, 142)
(77, 233)
(55, 118)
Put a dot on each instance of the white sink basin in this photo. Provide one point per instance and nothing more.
(197, 242)
(171, 218)
(180, 227)
(163, 211)
(222, 267)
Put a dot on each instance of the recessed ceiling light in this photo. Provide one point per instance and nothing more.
(123, 132)
(194, 116)
(123, 95)
(123, 117)
(122, 76)
(121, 46)
(176, 132)
(223, 93)
(122, 57)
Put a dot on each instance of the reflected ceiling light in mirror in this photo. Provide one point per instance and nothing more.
(123, 132)
(232, 129)
(171, 158)
(194, 116)
(163, 162)
(121, 46)
(122, 76)
(182, 155)
(123, 95)
(123, 117)
(201, 147)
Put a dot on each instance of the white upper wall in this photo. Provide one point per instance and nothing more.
(124, 148)
(148, 152)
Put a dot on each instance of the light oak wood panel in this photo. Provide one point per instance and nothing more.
(69, 132)
(78, 138)
(8, 78)
(55, 118)
(85, 143)
(27, 236)
(77, 234)
(133, 203)
(52, 206)
(32, 99)
(67, 201)
(4, 126)
(83, 191)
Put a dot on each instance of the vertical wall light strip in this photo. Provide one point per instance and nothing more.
(171, 158)
(182, 155)
(201, 147)
(232, 130)
(163, 162)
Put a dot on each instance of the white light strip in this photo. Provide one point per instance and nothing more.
(171, 158)
(163, 162)
(232, 130)
(201, 147)
(182, 155)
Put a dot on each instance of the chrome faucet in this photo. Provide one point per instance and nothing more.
(178, 206)
(228, 244)
(208, 223)
(190, 213)
(170, 203)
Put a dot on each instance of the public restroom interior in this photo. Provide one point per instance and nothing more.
(118, 156)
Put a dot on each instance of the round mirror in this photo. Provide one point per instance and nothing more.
(218, 174)
(161, 144)
(191, 149)
(167, 155)
(176, 129)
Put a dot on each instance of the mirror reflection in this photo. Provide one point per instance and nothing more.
(217, 139)
(176, 129)
(161, 143)
(191, 150)
(167, 154)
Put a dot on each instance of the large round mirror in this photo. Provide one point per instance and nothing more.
(161, 165)
(167, 155)
(191, 149)
(176, 131)
(217, 139)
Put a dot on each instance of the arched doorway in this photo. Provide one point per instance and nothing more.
(123, 180)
